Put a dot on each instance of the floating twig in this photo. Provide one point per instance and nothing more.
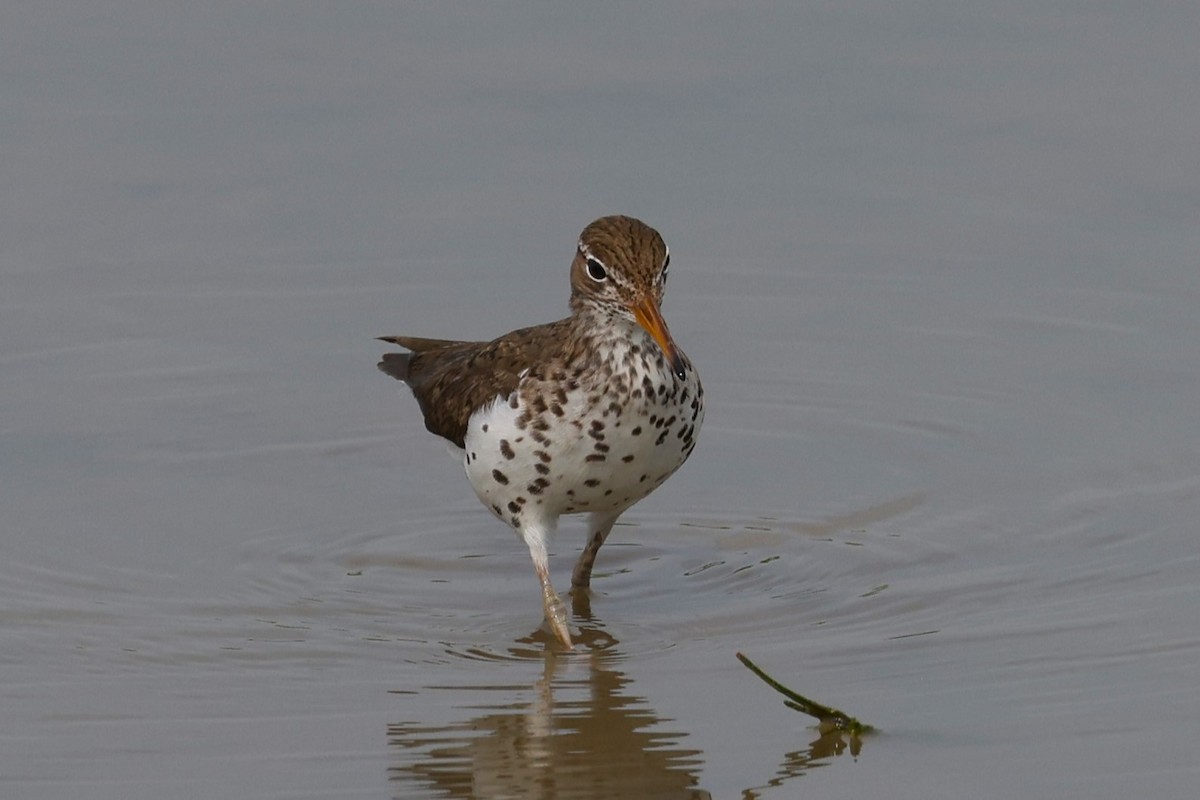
(829, 719)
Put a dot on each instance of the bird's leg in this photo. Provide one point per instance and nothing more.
(599, 526)
(553, 608)
(552, 605)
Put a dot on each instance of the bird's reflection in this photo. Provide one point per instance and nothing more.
(577, 734)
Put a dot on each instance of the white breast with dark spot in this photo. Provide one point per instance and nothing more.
(599, 445)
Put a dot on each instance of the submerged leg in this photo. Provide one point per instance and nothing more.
(599, 526)
(552, 605)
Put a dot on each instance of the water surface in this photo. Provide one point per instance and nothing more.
(935, 264)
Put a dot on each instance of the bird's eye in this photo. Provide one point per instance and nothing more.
(595, 271)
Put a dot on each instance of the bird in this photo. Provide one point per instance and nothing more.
(585, 415)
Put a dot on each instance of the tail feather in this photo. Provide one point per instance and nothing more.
(396, 365)
(399, 365)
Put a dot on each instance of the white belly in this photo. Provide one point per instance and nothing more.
(540, 460)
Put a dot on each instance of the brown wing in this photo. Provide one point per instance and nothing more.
(452, 379)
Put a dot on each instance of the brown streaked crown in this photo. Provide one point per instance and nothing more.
(634, 258)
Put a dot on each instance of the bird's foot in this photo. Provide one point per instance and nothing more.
(556, 615)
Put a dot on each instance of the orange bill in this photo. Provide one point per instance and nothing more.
(649, 317)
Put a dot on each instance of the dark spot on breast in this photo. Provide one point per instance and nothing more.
(540, 424)
(636, 431)
(597, 435)
(484, 427)
(643, 479)
(500, 477)
(662, 437)
(543, 455)
(607, 492)
(627, 458)
(514, 507)
(496, 508)
(542, 469)
(514, 401)
(522, 420)
(516, 523)
(540, 437)
(506, 450)
(560, 394)
(556, 409)
(538, 404)
(600, 447)
(473, 456)
(596, 457)
(592, 482)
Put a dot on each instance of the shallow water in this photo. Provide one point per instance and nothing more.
(936, 267)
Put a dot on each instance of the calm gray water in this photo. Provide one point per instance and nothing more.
(936, 263)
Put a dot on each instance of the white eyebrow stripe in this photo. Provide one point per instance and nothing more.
(583, 248)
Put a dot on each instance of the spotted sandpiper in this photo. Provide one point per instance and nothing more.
(586, 415)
